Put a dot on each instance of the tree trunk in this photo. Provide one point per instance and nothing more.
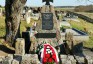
(13, 10)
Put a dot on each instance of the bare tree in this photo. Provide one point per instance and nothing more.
(13, 10)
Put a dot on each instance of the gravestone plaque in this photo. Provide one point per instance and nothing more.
(47, 21)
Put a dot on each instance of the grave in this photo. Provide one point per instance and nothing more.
(47, 31)
(28, 16)
(48, 26)
(26, 36)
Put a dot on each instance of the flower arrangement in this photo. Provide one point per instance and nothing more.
(48, 54)
(49, 59)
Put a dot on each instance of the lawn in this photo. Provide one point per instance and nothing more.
(2, 26)
(86, 27)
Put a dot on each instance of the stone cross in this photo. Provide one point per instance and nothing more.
(47, 1)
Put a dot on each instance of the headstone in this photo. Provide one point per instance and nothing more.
(20, 46)
(26, 36)
(28, 17)
(33, 45)
(47, 21)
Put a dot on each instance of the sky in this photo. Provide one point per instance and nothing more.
(55, 3)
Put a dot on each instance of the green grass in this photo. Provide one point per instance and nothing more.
(22, 26)
(2, 26)
(82, 25)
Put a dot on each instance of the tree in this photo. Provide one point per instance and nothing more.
(13, 10)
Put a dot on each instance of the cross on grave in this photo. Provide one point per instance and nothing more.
(47, 1)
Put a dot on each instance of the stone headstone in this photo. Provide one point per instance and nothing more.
(20, 46)
(28, 17)
(47, 21)
(26, 36)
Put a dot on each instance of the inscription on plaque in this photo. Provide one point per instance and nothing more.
(47, 21)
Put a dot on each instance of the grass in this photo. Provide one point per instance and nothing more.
(84, 26)
(2, 26)
(22, 26)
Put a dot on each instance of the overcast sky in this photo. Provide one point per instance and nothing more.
(56, 2)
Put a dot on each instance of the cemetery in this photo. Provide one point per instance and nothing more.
(46, 37)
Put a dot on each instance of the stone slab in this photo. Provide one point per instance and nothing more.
(20, 46)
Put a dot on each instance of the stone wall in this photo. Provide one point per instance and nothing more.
(33, 59)
(21, 58)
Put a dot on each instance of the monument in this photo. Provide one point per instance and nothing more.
(28, 17)
(48, 11)
(48, 27)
